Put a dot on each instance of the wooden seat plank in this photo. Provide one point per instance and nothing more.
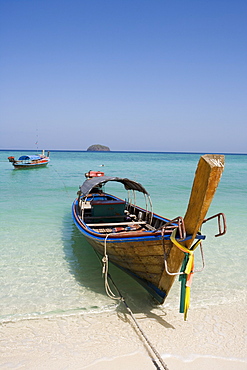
(118, 224)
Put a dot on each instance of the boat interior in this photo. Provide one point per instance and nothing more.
(104, 213)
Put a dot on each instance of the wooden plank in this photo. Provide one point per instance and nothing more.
(207, 178)
(118, 223)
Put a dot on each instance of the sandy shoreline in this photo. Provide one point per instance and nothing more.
(213, 337)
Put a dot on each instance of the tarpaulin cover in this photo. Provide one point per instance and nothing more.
(89, 184)
(29, 157)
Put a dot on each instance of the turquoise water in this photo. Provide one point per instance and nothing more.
(47, 268)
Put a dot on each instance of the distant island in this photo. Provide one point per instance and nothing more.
(98, 148)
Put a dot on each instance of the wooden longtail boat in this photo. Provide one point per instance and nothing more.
(30, 161)
(149, 247)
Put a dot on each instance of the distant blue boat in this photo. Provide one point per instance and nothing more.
(30, 161)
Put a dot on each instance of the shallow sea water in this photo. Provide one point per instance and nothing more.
(48, 269)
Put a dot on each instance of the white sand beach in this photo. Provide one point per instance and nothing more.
(212, 338)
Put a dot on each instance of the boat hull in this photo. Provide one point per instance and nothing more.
(30, 165)
(142, 257)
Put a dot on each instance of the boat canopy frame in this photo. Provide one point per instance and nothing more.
(130, 186)
(89, 184)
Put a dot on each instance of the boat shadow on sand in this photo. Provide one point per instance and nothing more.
(86, 267)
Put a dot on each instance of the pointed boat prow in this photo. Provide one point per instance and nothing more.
(207, 178)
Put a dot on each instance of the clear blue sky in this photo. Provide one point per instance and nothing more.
(146, 75)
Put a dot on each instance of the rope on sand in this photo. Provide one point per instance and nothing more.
(121, 299)
(158, 356)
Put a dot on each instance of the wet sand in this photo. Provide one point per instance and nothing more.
(212, 338)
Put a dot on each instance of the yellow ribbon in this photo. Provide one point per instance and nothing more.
(189, 269)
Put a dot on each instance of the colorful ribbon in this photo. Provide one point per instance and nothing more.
(188, 270)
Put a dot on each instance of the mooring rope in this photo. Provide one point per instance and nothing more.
(138, 326)
(105, 268)
(109, 292)
(60, 178)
